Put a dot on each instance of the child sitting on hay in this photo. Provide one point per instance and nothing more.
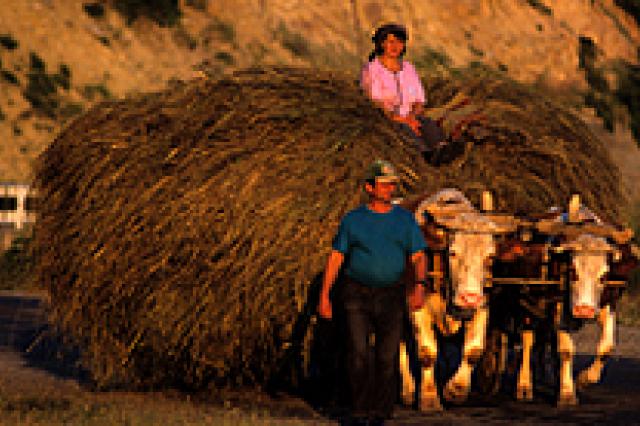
(393, 84)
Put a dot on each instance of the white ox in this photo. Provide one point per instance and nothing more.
(469, 250)
(589, 258)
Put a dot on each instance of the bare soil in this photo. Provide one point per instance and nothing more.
(39, 386)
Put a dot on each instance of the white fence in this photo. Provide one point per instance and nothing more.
(17, 209)
(16, 205)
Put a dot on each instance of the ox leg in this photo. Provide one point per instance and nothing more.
(504, 352)
(607, 322)
(567, 393)
(408, 382)
(524, 389)
(457, 389)
(427, 354)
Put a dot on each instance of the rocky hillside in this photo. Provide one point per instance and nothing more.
(57, 57)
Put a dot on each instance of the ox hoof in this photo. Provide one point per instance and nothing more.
(524, 393)
(407, 398)
(430, 404)
(584, 379)
(567, 400)
(456, 392)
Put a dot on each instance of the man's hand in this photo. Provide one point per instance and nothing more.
(436, 304)
(324, 307)
(330, 273)
(416, 298)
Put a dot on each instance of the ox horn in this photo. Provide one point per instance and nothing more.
(487, 201)
(574, 208)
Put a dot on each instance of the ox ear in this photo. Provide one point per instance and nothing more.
(503, 224)
(588, 242)
(623, 236)
(569, 246)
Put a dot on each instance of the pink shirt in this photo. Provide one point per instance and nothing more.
(396, 90)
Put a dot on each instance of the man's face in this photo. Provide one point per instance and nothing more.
(381, 191)
(392, 46)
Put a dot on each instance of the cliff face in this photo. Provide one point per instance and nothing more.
(45, 43)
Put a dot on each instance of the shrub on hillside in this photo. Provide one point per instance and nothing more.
(632, 7)
(164, 12)
(91, 91)
(42, 88)
(540, 7)
(431, 59)
(293, 41)
(628, 93)
(225, 57)
(9, 77)
(94, 9)
(8, 42)
(197, 4)
(63, 78)
(603, 98)
(224, 30)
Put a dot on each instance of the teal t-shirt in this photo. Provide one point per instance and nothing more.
(376, 245)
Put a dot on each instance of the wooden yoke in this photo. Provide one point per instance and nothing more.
(580, 221)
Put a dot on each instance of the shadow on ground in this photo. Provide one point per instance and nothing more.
(24, 328)
(616, 400)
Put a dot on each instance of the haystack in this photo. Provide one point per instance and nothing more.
(180, 231)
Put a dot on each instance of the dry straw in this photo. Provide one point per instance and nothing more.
(180, 231)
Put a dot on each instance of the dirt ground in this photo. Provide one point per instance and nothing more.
(36, 388)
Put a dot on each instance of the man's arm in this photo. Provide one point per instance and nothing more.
(334, 262)
(419, 261)
(416, 291)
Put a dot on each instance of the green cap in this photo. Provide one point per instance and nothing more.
(382, 171)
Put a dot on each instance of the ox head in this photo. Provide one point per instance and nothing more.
(471, 243)
(471, 252)
(469, 257)
(589, 256)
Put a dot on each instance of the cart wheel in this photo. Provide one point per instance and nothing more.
(546, 368)
(488, 375)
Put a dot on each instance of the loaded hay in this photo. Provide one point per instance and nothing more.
(180, 232)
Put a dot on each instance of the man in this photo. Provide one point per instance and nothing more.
(373, 242)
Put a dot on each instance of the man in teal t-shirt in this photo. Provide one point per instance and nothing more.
(373, 243)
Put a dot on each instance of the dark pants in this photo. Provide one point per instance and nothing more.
(372, 371)
(432, 135)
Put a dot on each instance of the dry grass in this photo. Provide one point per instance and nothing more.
(135, 410)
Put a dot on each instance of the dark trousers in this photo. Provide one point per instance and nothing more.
(379, 311)
(432, 134)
